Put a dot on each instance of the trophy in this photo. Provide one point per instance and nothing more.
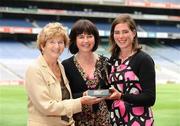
(102, 88)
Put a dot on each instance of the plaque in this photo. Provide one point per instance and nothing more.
(98, 92)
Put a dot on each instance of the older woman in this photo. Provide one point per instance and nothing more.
(49, 96)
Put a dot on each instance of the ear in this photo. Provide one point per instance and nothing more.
(134, 33)
(42, 47)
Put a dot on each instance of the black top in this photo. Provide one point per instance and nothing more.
(143, 66)
(79, 82)
(76, 81)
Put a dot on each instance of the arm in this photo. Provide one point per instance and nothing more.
(76, 82)
(146, 74)
(41, 99)
(39, 95)
(144, 68)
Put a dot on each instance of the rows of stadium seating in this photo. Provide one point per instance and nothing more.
(22, 51)
(167, 61)
(15, 22)
(16, 56)
(166, 55)
(13, 49)
(158, 28)
(101, 26)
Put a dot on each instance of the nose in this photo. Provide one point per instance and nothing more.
(120, 34)
(57, 45)
(85, 39)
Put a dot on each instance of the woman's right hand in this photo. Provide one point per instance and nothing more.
(114, 94)
(89, 100)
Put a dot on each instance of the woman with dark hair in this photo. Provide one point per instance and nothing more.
(132, 76)
(85, 70)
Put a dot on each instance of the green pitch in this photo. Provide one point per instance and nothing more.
(13, 105)
(167, 106)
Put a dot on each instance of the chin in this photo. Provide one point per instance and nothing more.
(56, 56)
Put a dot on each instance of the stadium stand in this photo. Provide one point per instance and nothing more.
(14, 59)
(15, 22)
(153, 28)
(158, 29)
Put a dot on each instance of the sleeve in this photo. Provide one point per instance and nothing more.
(146, 74)
(41, 99)
(70, 72)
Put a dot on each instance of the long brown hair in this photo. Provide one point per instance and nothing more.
(123, 18)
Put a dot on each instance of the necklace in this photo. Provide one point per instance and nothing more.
(87, 68)
(123, 58)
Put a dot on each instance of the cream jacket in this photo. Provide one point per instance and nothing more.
(45, 105)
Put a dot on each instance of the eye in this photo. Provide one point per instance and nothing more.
(116, 32)
(90, 36)
(60, 42)
(52, 42)
(80, 36)
(125, 31)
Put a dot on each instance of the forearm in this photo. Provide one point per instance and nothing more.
(142, 99)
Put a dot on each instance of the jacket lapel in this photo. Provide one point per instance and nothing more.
(45, 66)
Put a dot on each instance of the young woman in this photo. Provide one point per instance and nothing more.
(132, 76)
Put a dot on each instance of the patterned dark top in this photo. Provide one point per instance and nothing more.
(96, 115)
(135, 78)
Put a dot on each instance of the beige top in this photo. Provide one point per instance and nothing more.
(45, 104)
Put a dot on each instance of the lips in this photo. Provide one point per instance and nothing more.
(85, 45)
(121, 42)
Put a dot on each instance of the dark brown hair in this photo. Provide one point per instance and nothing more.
(79, 27)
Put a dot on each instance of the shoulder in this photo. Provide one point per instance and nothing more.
(103, 58)
(68, 61)
(141, 59)
(142, 56)
(68, 64)
(35, 64)
(34, 67)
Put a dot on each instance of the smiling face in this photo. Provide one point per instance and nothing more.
(53, 47)
(83, 35)
(52, 34)
(85, 42)
(123, 36)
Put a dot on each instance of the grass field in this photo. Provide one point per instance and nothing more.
(13, 105)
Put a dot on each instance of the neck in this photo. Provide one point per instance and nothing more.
(124, 54)
(87, 63)
(53, 65)
(51, 62)
(86, 57)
